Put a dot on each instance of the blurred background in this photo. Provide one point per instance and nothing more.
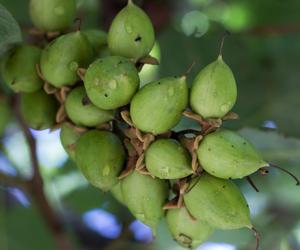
(263, 51)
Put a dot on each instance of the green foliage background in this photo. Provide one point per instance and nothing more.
(264, 54)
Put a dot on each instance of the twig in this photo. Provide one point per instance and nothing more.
(13, 181)
(35, 185)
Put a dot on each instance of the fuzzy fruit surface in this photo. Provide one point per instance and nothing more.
(19, 69)
(5, 114)
(214, 91)
(52, 15)
(85, 114)
(131, 33)
(100, 156)
(167, 159)
(219, 202)
(226, 154)
(157, 107)
(69, 137)
(186, 231)
(62, 57)
(145, 198)
(97, 38)
(38, 109)
(111, 82)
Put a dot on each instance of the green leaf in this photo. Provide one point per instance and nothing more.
(10, 32)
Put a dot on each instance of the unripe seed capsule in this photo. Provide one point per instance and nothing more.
(100, 156)
(52, 15)
(69, 137)
(214, 91)
(85, 114)
(167, 159)
(19, 69)
(131, 33)
(61, 59)
(188, 232)
(145, 197)
(38, 109)
(226, 154)
(157, 107)
(218, 202)
(111, 82)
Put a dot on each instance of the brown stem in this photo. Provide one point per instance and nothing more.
(14, 181)
(36, 189)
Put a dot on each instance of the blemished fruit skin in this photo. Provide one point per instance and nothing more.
(5, 114)
(85, 114)
(186, 231)
(226, 154)
(38, 109)
(97, 38)
(63, 56)
(111, 82)
(131, 33)
(19, 69)
(167, 159)
(100, 156)
(214, 91)
(69, 137)
(219, 202)
(52, 15)
(145, 197)
(157, 107)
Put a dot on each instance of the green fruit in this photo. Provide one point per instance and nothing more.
(38, 109)
(214, 90)
(116, 191)
(131, 33)
(226, 154)
(69, 137)
(61, 58)
(100, 156)
(145, 198)
(167, 159)
(19, 69)
(111, 82)
(85, 114)
(186, 231)
(52, 15)
(97, 38)
(5, 114)
(218, 202)
(157, 107)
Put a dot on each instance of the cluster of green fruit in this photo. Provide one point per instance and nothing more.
(120, 136)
